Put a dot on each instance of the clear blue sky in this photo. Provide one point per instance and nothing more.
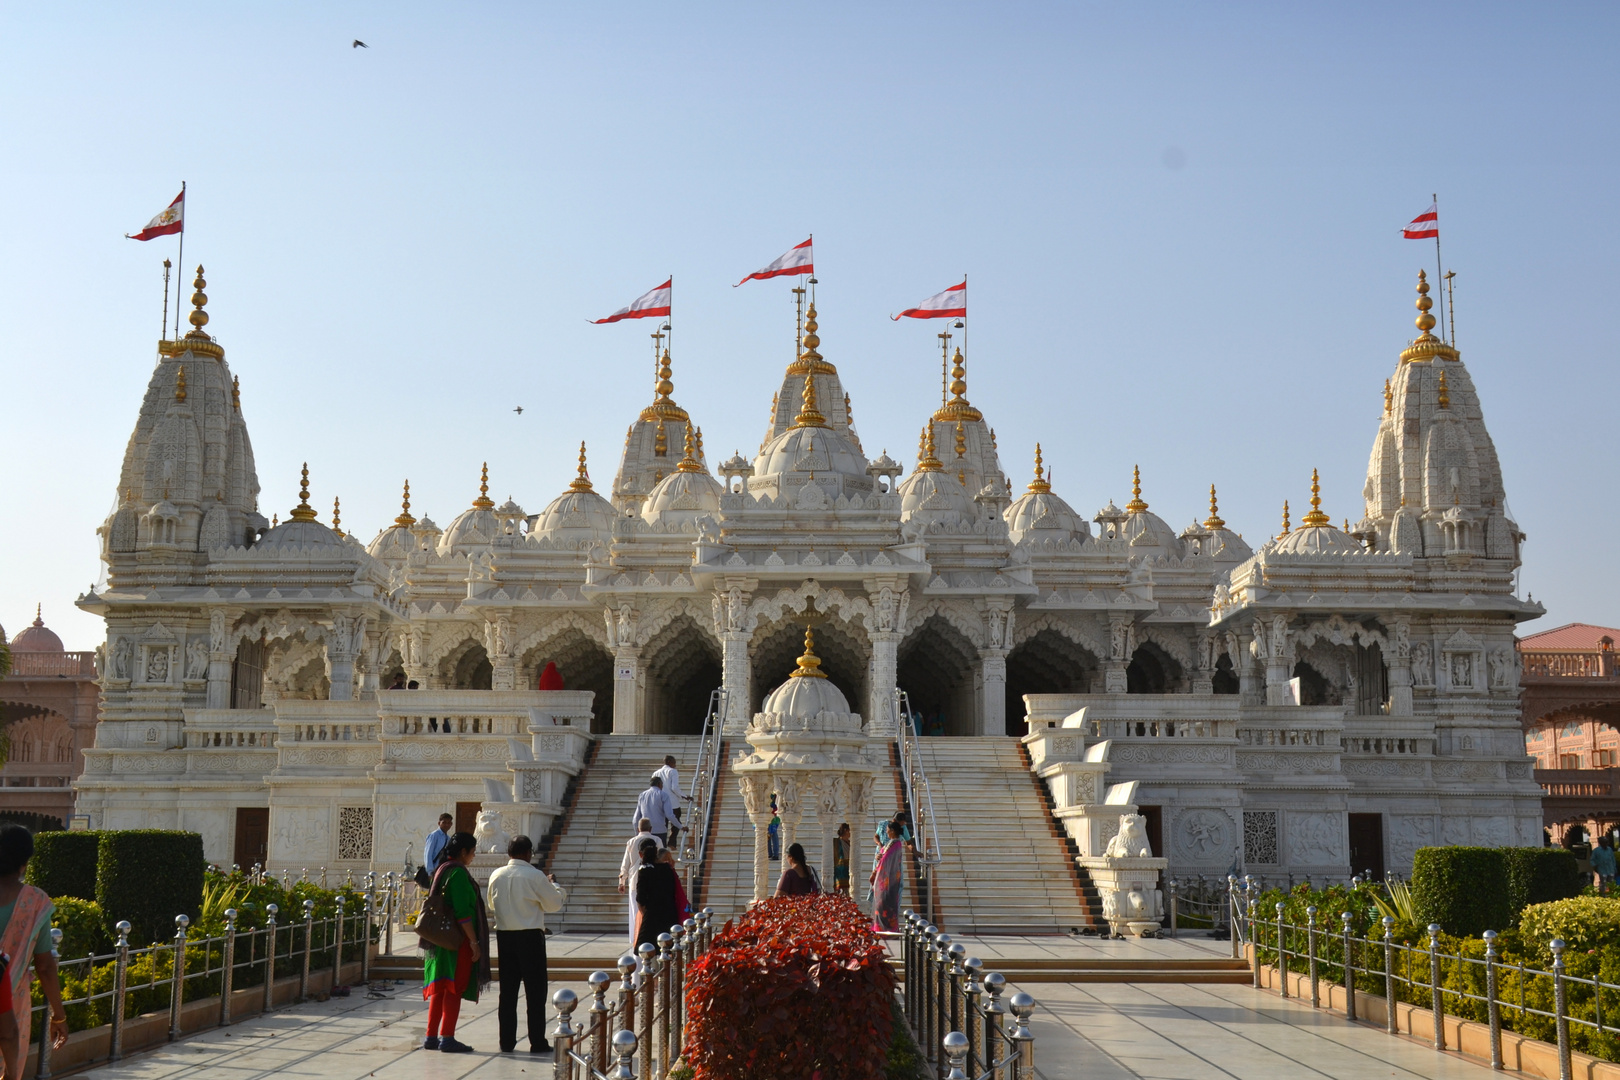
(1180, 225)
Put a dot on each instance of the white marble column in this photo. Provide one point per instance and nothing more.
(736, 670)
(626, 690)
(880, 718)
(340, 653)
(756, 795)
(993, 692)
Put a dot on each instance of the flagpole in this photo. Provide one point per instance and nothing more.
(1438, 276)
(163, 330)
(181, 258)
(1451, 315)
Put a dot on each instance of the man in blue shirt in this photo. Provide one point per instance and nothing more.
(656, 806)
(433, 850)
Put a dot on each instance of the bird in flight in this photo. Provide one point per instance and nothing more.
(358, 44)
(518, 410)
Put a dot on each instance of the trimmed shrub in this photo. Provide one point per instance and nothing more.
(1586, 923)
(796, 988)
(1538, 875)
(1464, 889)
(149, 876)
(64, 864)
(83, 926)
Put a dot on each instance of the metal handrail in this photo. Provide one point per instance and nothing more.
(957, 1012)
(914, 777)
(705, 782)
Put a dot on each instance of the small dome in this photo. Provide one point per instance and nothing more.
(681, 498)
(789, 460)
(1317, 540)
(736, 463)
(933, 495)
(808, 692)
(1041, 515)
(471, 528)
(1146, 531)
(1224, 545)
(305, 534)
(883, 463)
(36, 638)
(394, 543)
(577, 518)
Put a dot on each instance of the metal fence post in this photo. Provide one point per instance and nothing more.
(389, 910)
(908, 933)
(1349, 971)
(970, 1011)
(624, 1044)
(994, 1032)
(958, 953)
(227, 968)
(337, 954)
(1024, 1067)
(1282, 952)
(1175, 908)
(650, 972)
(1310, 954)
(956, 1054)
(1492, 1009)
(627, 991)
(177, 990)
(365, 935)
(309, 947)
(599, 981)
(1232, 931)
(565, 1002)
(1392, 1021)
(44, 1070)
(1435, 1004)
(679, 1003)
(1560, 1007)
(120, 991)
(925, 988)
(270, 911)
(941, 975)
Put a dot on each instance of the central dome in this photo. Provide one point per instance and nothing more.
(810, 452)
(37, 638)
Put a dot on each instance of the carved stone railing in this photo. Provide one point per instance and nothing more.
(229, 729)
(1579, 783)
(71, 665)
(1578, 664)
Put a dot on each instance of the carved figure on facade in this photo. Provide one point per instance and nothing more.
(1422, 665)
(196, 659)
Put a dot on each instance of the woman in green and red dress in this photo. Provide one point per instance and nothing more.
(451, 975)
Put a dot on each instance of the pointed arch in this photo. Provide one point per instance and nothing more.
(681, 665)
(770, 610)
(582, 660)
(937, 668)
(845, 651)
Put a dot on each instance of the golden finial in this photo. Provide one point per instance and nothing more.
(1039, 485)
(1214, 521)
(303, 511)
(849, 413)
(1425, 321)
(992, 438)
(275, 519)
(180, 384)
(660, 440)
(961, 439)
(774, 397)
(1445, 392)
(337, 516)
(811, 340)
(405, 519)
(926, 461)
(700, 444)
(809, 415)
(666, 385)
(1136, 505)
(689, 463)
(958, 408)
(663, 408)
(1389, 399)
(809, 664)
(199, 300)
(1286, 528)
(484, 502)
(1315, 519)
(236, 393)
(582, 482)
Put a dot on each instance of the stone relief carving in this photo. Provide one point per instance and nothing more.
(1203, 836)
(299, 832)
(1406, 835)
(1316, 839)
(197, 659)
(1493, 831)
(1260, 837)
(1422, 665)
(121, 652)
(157, 664)
(1501, 670)
(354, 833)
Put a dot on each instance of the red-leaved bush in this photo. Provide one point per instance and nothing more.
(799, 988)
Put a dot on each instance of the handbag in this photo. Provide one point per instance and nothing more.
(423, 881)
(437, 924)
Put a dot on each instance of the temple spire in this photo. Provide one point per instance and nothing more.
(303, 511)
(1286, 528)
(689, 462)
(582, 482)
(926, 461)
(484, 502)
(809, 415)
(1136, 505)
(1315, 519)
(405, 519)
(809, 664)
(1214, 521)
(958, 408)
(1039, 485)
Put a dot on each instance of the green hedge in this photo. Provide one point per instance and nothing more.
(64, 863)
(149, 876)
(1464, 889)
(1540, 876)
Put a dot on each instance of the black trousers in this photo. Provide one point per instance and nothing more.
(523, 963)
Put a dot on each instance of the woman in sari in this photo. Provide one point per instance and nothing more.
(25, 937)
(886, 878)
(655, 896)
(798, 879)
(451, 975)
(683, 906)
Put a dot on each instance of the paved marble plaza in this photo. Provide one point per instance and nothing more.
(1092, 1031)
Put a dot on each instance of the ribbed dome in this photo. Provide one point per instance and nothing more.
(1317, 540)
(1146, 531)
(581, 517)
(806, 698)
(394, 543)
(301, 534)
(1041, 515)
(800, 452)
(681, 498)
(38, 638)
(471, 528)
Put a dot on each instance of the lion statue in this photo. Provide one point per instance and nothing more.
(489, 834)
(1131, 842)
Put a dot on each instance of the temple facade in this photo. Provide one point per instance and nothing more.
(1331, 699)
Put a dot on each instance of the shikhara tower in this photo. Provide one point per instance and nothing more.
(1336, 696)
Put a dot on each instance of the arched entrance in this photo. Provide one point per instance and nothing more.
(467, 668)
(1047, 663)
(845, 658)
(1152, 671)
(583, 665)
(935, 669)
(682, 665)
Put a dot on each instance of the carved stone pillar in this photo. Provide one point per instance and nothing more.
(340, 654)
(498, 644)
(371, 658)
(412, 646)
(1278, 654)
(790, 800)
(1400, 671)
(993, 693)
(832, 803)
(880, 718)
(626, 690)
(1204, 677)
(756, 796)
(1121, 643)
(737, 674)
(860, 798)
(219, 660)
(1251, 687)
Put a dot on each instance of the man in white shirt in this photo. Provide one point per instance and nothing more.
(631, 863)
(656, 805)
(519, 897)
(671, 778)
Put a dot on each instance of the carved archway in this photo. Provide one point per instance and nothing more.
(844, 649)
(467, 667)
(681, 662)
(1046, 662)
(584, 664)
(936, 670)
(1153, 670)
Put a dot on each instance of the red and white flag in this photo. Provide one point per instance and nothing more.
(800, 259)
(950, 304)
(172, 220)
(1425, 226)
(649, 305)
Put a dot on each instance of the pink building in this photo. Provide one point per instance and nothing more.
(48, 709)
